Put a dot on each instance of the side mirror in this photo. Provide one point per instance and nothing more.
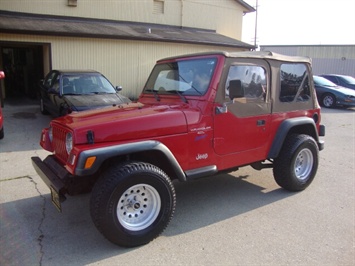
(118, 88)
(236, 90)
(52, 91)
(39, 84)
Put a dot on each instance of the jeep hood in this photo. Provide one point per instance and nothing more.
(125, 122)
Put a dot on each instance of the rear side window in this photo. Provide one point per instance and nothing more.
(332, 79)
(294, 83)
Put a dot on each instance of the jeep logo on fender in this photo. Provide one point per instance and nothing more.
(201, 156)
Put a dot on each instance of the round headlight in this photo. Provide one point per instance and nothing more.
(50, 134)
(69, 142)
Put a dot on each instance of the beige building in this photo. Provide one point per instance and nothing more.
(121, 39)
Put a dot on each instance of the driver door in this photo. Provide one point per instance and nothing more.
(242, 129)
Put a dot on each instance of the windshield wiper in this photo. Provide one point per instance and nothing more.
(192, 87)
(183, 98)
(155, 93)
(72, 93)
(101, 92)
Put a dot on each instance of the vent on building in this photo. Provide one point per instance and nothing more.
(72, 2)
(158, 7)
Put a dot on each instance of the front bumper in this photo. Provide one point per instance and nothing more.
(345, 102)
(321, 134)
(54, 176)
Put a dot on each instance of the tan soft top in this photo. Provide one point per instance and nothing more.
(248, 54)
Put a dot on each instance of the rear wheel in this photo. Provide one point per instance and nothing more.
(132, 203)
(328, 100)
(297, 164)
(2, 133)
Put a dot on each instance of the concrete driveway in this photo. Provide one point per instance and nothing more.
(241, 218)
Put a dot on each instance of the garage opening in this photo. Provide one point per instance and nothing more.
(24, 65)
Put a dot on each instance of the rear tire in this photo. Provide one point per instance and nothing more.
(132, 203)
(328, 100)
(297, 163)
(2, 133)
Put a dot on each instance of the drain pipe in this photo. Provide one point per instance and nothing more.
(182, 13)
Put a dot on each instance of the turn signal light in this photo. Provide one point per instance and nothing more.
(89, 162)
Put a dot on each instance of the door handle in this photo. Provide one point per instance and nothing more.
(260, 122)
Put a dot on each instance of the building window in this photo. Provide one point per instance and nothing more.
(158, 7)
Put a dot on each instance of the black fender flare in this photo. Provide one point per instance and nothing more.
(286, 126)
(104, 153)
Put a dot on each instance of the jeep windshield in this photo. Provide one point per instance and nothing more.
(187, 77)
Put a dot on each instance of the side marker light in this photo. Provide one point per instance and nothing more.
(89, 162)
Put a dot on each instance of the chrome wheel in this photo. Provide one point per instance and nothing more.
(328, 100)
(132, 203)
(297, 163)
(303, 164)
(138, 207)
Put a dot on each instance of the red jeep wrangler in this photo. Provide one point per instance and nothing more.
(197, 115)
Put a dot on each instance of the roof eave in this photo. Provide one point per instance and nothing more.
(247, 8)
(117, 37)
(34, 24)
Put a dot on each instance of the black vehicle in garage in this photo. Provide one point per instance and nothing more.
(2, 76)
(66, 91)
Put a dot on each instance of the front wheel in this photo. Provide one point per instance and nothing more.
(42, 108)
(297, 163)
(2, 133)
(132, 203)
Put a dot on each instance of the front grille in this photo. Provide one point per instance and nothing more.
(59, 143)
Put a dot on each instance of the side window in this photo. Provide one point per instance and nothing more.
(333, 79)
(294, 83)
(55, 83)
(246, 83)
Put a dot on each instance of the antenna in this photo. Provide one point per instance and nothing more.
(256, 22)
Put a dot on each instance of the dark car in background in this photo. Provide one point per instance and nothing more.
(330, 95)
(2, 76)
(66, 91)
(341, 80)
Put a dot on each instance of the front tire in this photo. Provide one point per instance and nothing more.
(132, 203)
(42, 108)
(297, 163)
